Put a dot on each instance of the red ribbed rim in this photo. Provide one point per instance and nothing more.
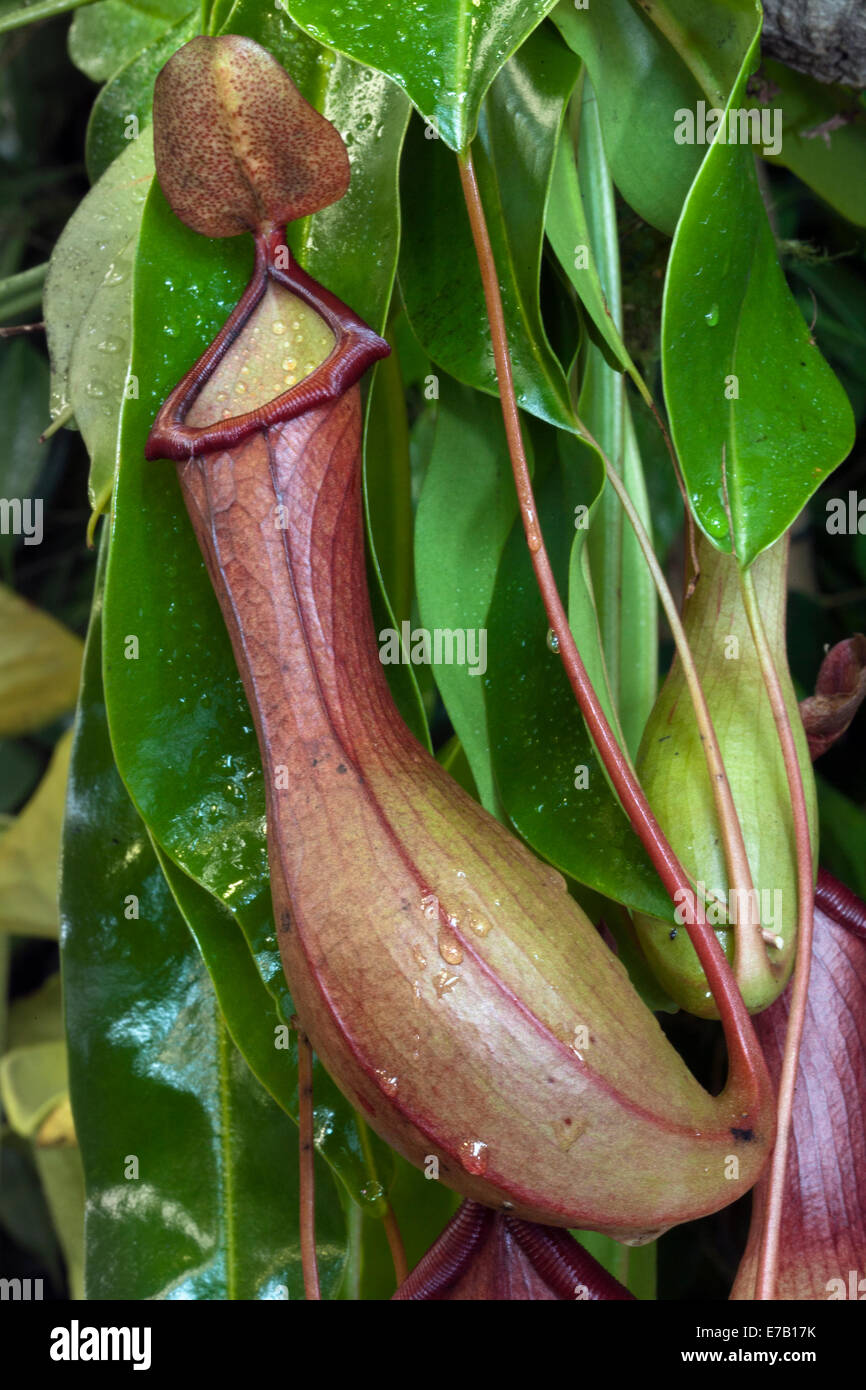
(356, 348)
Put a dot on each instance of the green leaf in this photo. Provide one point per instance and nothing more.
(621, 595)
(123, 108)
(388, 514)
(86, 254)
(104, 37)
(740, 369)
(39, 10)
(255, 1002)
(831, 162)
(568, 231)
(191, 1167)
(647, 67)
(457, 553)
(843, 835)
(388, 484)
(443, 53)
(99, 371)
(439, 275)
(538, 737)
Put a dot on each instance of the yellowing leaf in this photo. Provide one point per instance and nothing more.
(30, 851)
(33, 1083)
(40, 663)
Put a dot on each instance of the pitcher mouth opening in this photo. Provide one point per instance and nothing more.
(355, 348)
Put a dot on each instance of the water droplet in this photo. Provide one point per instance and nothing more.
(443, 982)
(479, 927)
(278, 327)
(95, 389)
(290, 379)
(240, 388)
(289, 364)
(372, 1193)
(388, 1083)
(474, 1156)
(110, 345)
(712, 315)
(552, 641)
(449, 947)
(420, 958)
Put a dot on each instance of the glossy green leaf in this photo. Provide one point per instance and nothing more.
(538, 738)
(623, 591)
(740, 368)
(388, 484)
(105, 36)
(827, 154)
(457, 552)
(443, 53)
(123, 108)
(568, 231)
(255, 1002)
(439, 274)
(647, 63)
(85, 255)
(191, 1167)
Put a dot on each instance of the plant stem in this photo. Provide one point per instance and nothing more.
(751, 951)
(738, 1029)
(396, 1246)
(307, 1183)
(389, 1219)
(22, 292)
(768, 1258)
